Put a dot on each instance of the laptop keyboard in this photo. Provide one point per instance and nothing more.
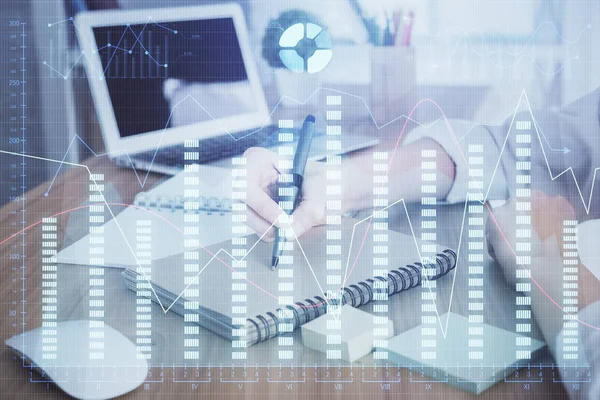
(223, 147)
(210, 149)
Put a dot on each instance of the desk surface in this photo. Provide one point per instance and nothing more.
(70, 190)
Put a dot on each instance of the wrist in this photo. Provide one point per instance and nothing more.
(357, 187)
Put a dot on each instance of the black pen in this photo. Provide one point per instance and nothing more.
(300, 159)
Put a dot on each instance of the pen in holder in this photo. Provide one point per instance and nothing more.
(393, 78)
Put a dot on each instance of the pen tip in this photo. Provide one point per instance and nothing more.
(274, 262)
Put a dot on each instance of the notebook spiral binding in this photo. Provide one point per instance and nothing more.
(185, 204)
(267, 326)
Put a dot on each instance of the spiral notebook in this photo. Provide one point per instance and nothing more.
(159, 201)
(263, 296)
(163, 206)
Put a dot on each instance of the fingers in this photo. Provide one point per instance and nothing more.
(262, 203)
(261, 172)
(549, 213)
(264, 229)
(304, 218)
(263, 211)
(547, 216)
(307, 215)
(499, 230)
(590, 287)
(261, 162)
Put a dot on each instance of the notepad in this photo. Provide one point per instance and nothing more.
(163, 208)
(271, 303)
(452, 363)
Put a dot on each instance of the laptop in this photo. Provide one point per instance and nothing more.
(160, 77)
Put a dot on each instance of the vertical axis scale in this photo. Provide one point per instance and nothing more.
(23, 185)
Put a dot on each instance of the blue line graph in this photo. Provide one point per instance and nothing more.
(476, 40)
(117, 47)
(482, 197)
(66, 75)
(523, 100)
(137, 40)
(564, 150)
(466, 35)
(142, 179)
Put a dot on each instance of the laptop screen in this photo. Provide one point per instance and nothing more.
(163, 75)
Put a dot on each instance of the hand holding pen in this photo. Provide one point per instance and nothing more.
(262, 194)
(289, 192)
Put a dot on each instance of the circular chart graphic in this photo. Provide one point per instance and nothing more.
(305, 48)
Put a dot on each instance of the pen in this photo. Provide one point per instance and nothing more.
(407, 29)
(371, 25)
(295, 187)
(376, 34)
(397, 25)
(387, 33)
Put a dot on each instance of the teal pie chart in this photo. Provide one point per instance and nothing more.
(305, 48)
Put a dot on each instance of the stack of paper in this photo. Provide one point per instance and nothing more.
(174, 302)
(452, 363)
(166, 222)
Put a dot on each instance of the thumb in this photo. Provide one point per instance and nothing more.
(303, 218)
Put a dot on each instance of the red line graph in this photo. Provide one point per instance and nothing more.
(142, 209)
(398, 141)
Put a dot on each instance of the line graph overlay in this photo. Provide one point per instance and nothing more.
(467, 35)
(369, 219)
(475, 39)
(142, 179)
(523, 98)
(116, 46)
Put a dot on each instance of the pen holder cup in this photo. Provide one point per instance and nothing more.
(393, 79)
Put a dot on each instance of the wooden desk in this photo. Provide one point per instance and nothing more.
(71, 189)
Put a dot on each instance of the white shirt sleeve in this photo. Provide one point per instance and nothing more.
(466, 133)
(589, 354)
